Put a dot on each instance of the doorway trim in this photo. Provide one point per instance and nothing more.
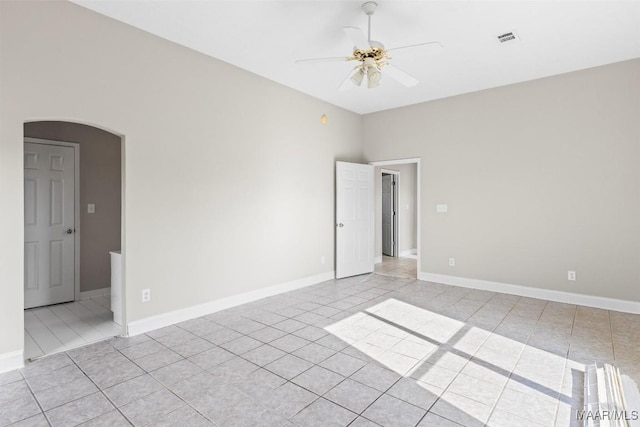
(416, 160)
(76, 204)
(396, 206)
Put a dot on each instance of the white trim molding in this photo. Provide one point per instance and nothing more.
(11, 361)
(409, 253)
(531, 292)
(147, 324)
(102, 292)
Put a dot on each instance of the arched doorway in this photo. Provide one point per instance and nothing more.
(73, 230)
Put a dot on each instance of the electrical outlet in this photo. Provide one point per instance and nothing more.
(322, 260)
(452, 262)
(146, 295)
(571, 276)
(91, 208)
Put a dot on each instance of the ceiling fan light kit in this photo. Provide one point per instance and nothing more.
(358, 75)
(373, 56)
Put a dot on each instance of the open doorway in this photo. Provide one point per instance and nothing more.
(389, 213)
(397, 224)
(73, 228)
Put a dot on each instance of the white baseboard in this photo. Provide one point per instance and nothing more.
(102, 292)
(539, 293)
(409, 253)
(147, 324)
(377, 260)
(11, 361)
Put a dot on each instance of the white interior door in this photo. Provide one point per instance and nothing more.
(387, 215)
(354, 219)
(49, 224)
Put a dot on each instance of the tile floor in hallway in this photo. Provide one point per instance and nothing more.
(398, 267)
(60, 327)
(364, 351)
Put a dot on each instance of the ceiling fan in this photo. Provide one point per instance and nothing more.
(373, 56)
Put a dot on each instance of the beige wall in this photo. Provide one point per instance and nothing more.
(99, 184)
(406, 208)
(226, 173)
(540, 177)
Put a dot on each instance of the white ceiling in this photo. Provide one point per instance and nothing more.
(266, 37)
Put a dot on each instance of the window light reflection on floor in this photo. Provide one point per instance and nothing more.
(435, 352)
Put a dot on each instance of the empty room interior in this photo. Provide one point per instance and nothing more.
(279, 213)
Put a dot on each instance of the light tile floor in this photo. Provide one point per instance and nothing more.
(398, 267)
(364, 351)
(61, 327)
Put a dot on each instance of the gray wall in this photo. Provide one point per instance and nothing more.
(407, 208)
(100, 158)
(225, 172)
(540, 177)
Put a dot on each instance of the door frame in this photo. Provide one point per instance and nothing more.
(395, 229)
(76, 203)
(416, 160)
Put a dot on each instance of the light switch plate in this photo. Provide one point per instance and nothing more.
(91, 208)
(442, 208)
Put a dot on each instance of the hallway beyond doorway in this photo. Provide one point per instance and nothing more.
(398, 267)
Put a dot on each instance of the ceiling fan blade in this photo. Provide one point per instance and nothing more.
(330, 59)
(400, 76)
(415, 49)
(356, 35)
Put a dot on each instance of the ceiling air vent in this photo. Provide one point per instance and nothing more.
(507, 37)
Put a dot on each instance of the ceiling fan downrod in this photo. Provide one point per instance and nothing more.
(369, 8)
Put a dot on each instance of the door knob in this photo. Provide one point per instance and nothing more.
(69, 231)
(340, 225)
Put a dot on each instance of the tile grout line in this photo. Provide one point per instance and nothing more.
(64, 343)
(613, 347)
(44, 414)
(50, 333)
(504, 387)
(320, 396)
(472, 356)
(165, 387)
(83, 322)
(100, 389)
(564, 371)
(36, 343)
(409, 370)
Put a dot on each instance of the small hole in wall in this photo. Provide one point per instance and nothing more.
(324, 119)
